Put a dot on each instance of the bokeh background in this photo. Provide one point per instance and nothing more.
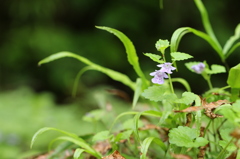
(32, 97)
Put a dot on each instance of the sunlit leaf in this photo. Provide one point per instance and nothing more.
(158, 93)
(154, 57)
(215, 69)
(187, 98)
(179, 56)
(186, 137)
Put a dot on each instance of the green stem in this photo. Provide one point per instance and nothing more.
(209, 83)
(170, 82)
(207, 127)
(223, 150)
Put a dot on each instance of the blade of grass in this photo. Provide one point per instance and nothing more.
(179, 33)
(75, 85)
(147, 142)
(206, 22)
(111, 73)
(131, 52)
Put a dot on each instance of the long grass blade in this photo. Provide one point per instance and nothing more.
(131, 52)
(111, 73)
(179, 33)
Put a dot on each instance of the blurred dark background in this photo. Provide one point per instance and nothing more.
(32, 30)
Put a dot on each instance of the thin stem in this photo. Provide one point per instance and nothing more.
(170, 82)
(207, 127)
(223, 150)
(209, 83)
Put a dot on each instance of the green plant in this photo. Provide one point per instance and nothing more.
(172, 125)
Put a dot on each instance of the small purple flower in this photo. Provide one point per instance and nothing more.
(198, 68)
(166, 67)
(158, 77)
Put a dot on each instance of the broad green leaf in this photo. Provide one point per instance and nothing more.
(233, 82)
(154, 57)
(130, 50)
(161, 45)
(137, 92)
(187, 98)
(158, 93)
(234, 77)
(179, 33)
(183, 82)
(146, 143)
(215, 69)
(103, 135)
(229, 44)
(179, 56)
(186, 137)
(78, 152)
(111, 73)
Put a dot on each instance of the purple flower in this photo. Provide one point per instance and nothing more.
(198, 68)
(166, 67)
(158, 77)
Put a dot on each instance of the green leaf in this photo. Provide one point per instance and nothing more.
(78, 153)
(154, 57)
(70, 137)
(186, 137)
(111, 73)
(234, 77)
(187, 98)
(130, 50)
(80, 142)
(158, 93)
(215, 69)
(146, 143)
(179, 33)
(161, 45)
(179, 56)
(229, 44)
(206, 22)
(103, 135)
